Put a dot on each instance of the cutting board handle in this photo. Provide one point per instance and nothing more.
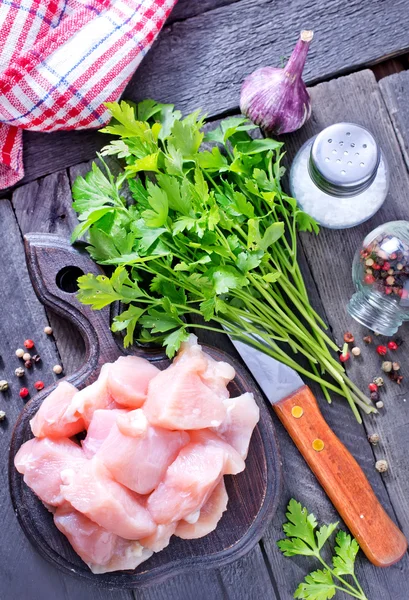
(54, 266)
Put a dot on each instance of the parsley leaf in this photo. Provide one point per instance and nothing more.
(158, 201)
(304, 539)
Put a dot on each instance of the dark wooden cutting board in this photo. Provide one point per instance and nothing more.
(54, 266)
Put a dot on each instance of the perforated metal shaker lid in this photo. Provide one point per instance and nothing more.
(344, 159)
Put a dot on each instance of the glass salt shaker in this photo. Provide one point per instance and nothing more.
(340, 177)
(381, 276)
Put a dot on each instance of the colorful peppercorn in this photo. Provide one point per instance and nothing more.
(24, 392)
(381, 466)
(48, 330)
(19, 372)
(368, 339)
(26, 356)
(348, 337)
(392, 345)
(386, 366)
(36, 358)
(381, 350)
(4, 386)
(28, 364)
(379, 404)
(344, 357)
(28, 344)
(374, 396)
(395, 366)
(373, 387)
(57, 369)
(19, 352)
(379, 381)
(373, 438)
(39, 385)
(369, 279)
(2, 415)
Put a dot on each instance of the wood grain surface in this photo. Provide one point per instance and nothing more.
(395, 92)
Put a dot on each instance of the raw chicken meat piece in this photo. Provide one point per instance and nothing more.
(128, 380)
(91, 398)
(99, 428)
(209, 516)
(41, 461)
(93, 492)
(179, 399)
(216, 375)
(138, 454)
(101, 550)
(242, 416)
(192, 477)
(49, 420)
(160, 539)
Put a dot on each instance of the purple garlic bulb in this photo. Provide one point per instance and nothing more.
(277, 99)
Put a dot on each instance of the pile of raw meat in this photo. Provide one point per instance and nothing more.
(152, 463)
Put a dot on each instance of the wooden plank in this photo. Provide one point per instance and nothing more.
(21, 567)
(201, 62)
(395, 91)
(45, 205)
(186, 9)
(330, 256)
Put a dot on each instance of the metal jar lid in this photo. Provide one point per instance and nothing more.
(344, 159)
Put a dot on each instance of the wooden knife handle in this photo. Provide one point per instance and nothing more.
(342, 479)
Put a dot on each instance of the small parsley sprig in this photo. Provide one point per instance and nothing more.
(303, 538)
(198, 224)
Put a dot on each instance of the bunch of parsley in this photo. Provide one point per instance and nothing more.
(207, 231)
(304, 539)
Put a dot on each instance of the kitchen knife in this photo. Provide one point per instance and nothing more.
(335, 468)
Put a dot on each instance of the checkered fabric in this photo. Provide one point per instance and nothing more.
(60, 60)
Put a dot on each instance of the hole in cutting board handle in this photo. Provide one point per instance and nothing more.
(66, 279)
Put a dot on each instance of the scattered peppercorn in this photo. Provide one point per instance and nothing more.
(26, 356)
(373, 438)
(2, 415)
(392, 345)
(19, 352)
(57, 369)
(28, 344)
(379, 381)
(344, 357)
(4, 386)
(368, 339)
(373, 387)
(24, 393)
(356, 351)
(19, 372)
(36, 358)
(386, 366)
(379, 404)
(369, 279)
(28, 364)
(399, 379)
(374, 396)
(39, 385)
(395, 366)
(381, 350)
(48, 330)
(381, 466)
(348, 337)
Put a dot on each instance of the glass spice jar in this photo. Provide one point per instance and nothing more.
(340, 177)
(380, 272)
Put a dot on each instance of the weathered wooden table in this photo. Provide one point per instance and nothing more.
(199, 60)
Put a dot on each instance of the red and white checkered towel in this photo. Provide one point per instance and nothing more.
(60, 60)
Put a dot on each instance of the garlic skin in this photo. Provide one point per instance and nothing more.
(276, 99)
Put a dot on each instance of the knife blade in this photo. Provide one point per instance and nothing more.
(334, 466)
